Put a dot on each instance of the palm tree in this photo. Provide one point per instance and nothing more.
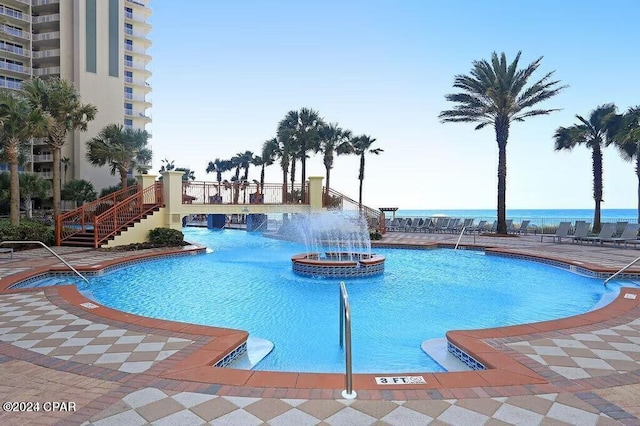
(495, 94)
(627, 140)
(188, 173)
(18, 123)
(61, 100)
(360, 146)
(302, 127)
(594, 133)
(279, 148)
(218, 166)
(166, 165)
(122, 148)
(65, 161)
(80, 191)
(333, 139)
(32, 186)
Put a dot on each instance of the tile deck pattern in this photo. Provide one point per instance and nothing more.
(115, 370)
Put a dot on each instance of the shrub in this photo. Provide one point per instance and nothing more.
(26, 231)
(375, 235)
(166, 236)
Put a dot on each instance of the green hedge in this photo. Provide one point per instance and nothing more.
(26, 231)
(166, 236)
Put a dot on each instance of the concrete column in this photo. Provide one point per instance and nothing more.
(315, 192)
(146, 181)
(172, 193)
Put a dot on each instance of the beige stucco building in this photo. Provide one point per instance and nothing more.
(99, 45)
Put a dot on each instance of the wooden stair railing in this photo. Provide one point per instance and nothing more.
(335, 199)
(126, 213)
(81, 219)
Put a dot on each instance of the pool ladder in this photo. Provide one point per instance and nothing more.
(50, 251)
(345, 339)
(620, 271)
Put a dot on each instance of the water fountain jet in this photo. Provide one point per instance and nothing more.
(338, 246)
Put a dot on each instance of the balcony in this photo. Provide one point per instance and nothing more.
(136, 49)
(14, 32)
(8, 84)
(17, 68)
(135, 97)
(46, 6)
(43, 158)
(44, 54)
(130, 113)
(15, 15)
(50, 22)
(137, 82)
(18, 51)
(137, 33)
(48, 71)
(44, 175)
(47, 39)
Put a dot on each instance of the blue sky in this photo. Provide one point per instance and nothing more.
(225, 73)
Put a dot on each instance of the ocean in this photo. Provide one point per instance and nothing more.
(538, 217)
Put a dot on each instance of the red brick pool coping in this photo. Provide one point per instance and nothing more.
(505, 369)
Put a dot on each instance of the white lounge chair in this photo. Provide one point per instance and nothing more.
(524, 227)
(561, 232)
(630, 233)
(582, 230)
(608, 230)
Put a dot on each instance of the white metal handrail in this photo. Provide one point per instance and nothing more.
(460, 237)
(620, 271)
(50, 251)
(345, 337)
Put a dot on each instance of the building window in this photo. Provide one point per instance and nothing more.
(114, 48)
(91, 36)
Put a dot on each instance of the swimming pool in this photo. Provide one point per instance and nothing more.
(246, 283)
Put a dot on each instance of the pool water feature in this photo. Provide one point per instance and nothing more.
(337, 245)
(246, 283)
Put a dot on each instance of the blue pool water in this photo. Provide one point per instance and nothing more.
(246, 283)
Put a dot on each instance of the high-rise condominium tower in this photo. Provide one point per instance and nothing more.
(99, 45)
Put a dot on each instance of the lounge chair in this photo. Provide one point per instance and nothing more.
(416, 222)
(630, 233)
(524, 227)
(608, 230)
(452, 226)
(582, 230)
(466, 224)
(561, 232)
(620, 227)
(477, 228)
(425, 227)
(440, 224)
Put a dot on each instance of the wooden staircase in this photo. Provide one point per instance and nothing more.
(100, 221)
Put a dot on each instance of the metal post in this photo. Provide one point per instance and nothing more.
(348, 393)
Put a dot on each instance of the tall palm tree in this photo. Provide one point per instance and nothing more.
(303, 127)
(262, 161)
(495, 94)
(61, 100)
(123, 149)
(333, 140)
(360, 146)
(19, 122)
(277, 148)
(32, 186)
(65, 161)
(218, 167)
(594, 133)
(627, 140)
(188, 173)
(244, 159)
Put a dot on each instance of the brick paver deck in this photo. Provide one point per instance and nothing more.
(122, 369)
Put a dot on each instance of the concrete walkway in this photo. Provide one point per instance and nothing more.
(109, 371)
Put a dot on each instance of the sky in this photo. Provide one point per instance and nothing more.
(226, 72)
